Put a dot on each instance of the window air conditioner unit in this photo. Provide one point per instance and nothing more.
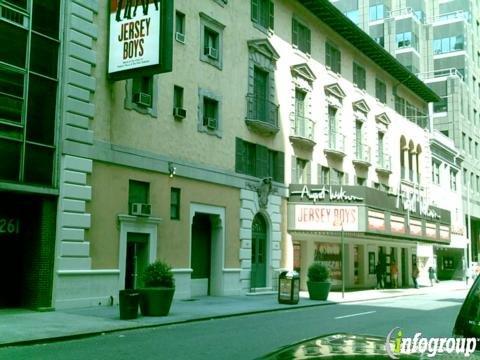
(139, 209)
(211, 52)
(143, 99)
(179, 113)
(211, 123)
(180, 37)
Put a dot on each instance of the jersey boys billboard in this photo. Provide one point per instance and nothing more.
(140, 37)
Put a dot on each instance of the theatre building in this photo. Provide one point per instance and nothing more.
(374, 227)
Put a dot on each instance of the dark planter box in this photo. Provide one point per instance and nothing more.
(156, 301)
(128, 300)
(318, 290)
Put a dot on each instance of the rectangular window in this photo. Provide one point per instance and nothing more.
(301, 36)
(465, 177)
(453, 180)
(400, 105)
(333, 58)
(174, 203)
(381, 91)
(262, 13)
(380, 149)
(210, 44)
(302, 171)
(11, 95)
(177, 96)
(210, 113)
(324, 176)
(359, 76)
(337, 177)
(376, 12)
(138, 193)
(436, 172)
(180, 27)
(142, 91)
(259, 161)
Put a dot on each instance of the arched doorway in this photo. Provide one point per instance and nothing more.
(259, 252)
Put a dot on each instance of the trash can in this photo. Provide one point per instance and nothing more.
(128, 299)
(288, 287)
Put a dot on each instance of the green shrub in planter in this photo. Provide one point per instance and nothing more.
(157, 295)
(318, 281)
(158, 274)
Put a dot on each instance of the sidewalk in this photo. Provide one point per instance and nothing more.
(19, 326)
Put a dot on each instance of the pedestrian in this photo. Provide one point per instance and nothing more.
(431, 275)
(415, 275)
(379, 273)
(394, 274)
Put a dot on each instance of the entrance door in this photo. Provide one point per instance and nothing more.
(259, 253)
(404, 268)
(136, 259)
(201, 254)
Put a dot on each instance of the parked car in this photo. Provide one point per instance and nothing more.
(468, 319)
(350, 346)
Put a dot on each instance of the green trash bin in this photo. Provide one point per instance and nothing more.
(128, 299)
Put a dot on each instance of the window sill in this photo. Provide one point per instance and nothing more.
(207, 131)
(266, 31)
(362, 92)
(300, 53)
(215, 63)
(333, 73)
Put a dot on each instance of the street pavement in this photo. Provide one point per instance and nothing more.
(20, 327)
(249, 336)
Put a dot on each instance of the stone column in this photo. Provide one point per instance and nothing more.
(406, 163)
(414, 166)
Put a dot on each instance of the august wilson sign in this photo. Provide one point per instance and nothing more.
(134, 34)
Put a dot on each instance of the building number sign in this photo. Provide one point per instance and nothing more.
(9, 226)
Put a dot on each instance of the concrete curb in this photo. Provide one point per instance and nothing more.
(198, 319)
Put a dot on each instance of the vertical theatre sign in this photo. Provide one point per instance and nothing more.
(140, 38)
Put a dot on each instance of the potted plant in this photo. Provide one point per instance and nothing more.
(318, 281)
(156, 297)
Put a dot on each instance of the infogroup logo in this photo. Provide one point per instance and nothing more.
(396, 344)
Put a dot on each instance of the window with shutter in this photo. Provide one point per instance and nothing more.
(279, 163)
(261, 161)
(301, 36)
(262, 13)
(332, 58)
(240, 156)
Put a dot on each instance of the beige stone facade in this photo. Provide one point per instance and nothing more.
(230, 156)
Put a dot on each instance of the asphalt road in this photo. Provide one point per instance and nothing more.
(249, 336)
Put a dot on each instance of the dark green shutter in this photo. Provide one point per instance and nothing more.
(240, 156)
(319, 174)
(328, 55)
(293, 180)
(307, 40)
(279, 167)
(261, 161)
(294, 32)
(255, 10)
(309, 172)
(271, 16)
